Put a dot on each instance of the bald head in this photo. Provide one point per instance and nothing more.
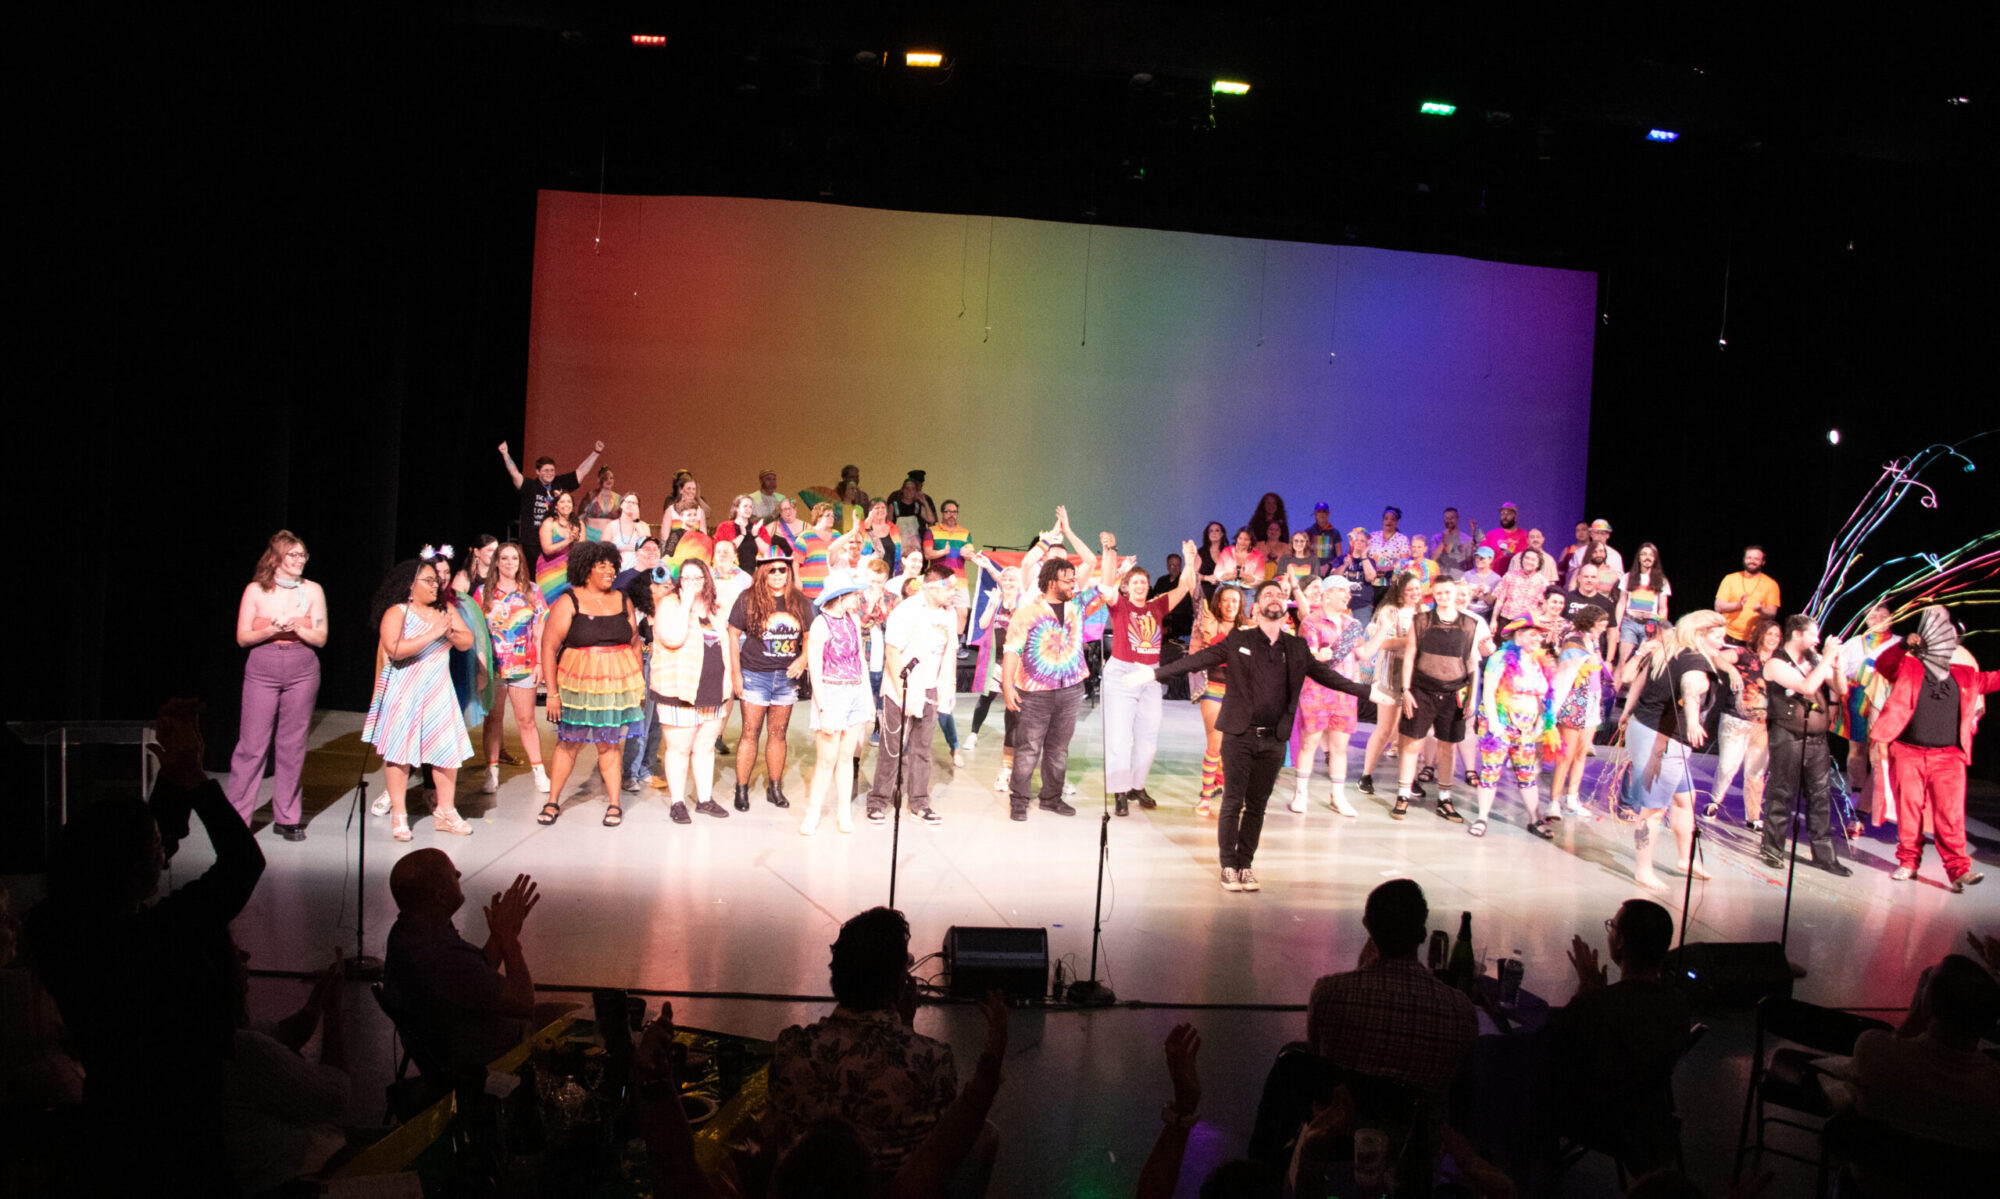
(425, 881)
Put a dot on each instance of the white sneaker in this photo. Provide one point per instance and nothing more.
(492, 783)
(1298, 803)
(381, 805)
(970, 743)
(844, 818)
(1339, 802)
(541, 778)
(1003, 780)
(1069, 788)
(1574, 805)
(809, 825)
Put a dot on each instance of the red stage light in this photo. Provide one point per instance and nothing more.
(649, 39)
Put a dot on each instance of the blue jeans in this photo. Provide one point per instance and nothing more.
(640, 756)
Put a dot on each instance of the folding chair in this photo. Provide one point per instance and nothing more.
(1786, 1079)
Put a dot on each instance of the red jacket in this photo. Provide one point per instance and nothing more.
(1907, 673)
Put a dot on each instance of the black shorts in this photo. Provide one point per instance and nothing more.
(1437, 712)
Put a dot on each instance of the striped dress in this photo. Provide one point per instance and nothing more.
(552, 573)
(414, 717)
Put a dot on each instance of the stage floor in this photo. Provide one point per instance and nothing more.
(746, 905)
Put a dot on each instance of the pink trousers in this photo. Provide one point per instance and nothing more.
(280, 683)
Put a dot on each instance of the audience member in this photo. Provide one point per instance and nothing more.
(1162, 1171)
(471, 1003)
(1928, 1079)
(1615, 1045)
(864, 1062)
(282, 1113)
(1390, 1017)
(147, 992)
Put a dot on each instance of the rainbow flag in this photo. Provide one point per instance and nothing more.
(693, 544)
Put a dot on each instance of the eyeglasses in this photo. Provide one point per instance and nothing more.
(781, 570)
(1611, 924)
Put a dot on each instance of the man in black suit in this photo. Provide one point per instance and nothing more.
(1267, 666)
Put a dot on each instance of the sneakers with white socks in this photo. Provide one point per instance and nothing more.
(492, 782)
(1339, 803)
(1298, 803)
(541, 778)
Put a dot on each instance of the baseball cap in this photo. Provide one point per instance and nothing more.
(1484, 551)
(1601, 525)
(1511, 504)
(1321, 507)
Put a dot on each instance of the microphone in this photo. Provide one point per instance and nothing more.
(907, 668)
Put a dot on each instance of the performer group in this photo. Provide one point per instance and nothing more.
(1487, 658)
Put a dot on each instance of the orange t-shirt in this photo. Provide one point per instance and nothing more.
(1755, 592)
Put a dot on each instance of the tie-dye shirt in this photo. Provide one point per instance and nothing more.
(1050, 643)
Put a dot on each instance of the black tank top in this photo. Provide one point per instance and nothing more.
(589, 632)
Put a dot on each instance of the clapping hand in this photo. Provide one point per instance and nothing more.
(653, 1059)
(994, 1007)
(1183, 1045)
(509, 911)
(1331, 1121)
(1589, 975)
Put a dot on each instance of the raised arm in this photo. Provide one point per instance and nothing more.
(1082, 550)
(513, 472)
(583, 468)
(1190, 576)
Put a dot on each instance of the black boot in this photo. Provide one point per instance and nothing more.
(1122, 803)
(775, 792)
(742, 797)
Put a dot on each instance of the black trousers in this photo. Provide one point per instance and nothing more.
(1801, 771)
(1250, 765)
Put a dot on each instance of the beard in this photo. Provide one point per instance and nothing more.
(1507, 522)
(1272, 611)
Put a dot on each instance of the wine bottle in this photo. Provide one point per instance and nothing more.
(1462, 971)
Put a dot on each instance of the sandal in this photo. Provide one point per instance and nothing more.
(1428, 774)
(1713, 810)
(447, 820)
(1477, 828)
(1447, 812)
(613, 816)
(399, 827)
(549, 812)
(1541, 829)
(1401, 809)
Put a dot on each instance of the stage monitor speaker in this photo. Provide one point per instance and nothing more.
(1016, 960)
(1730, 973)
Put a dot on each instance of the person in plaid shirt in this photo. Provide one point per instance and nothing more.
(1390, 1017)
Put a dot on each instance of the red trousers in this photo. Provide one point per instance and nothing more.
(1930, 782)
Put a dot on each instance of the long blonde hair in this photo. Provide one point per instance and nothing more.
(1686, 635)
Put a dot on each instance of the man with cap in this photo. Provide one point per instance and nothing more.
(765, 500)
(1507, 540)
(1451, 549)
(1936, 695)
(1613, 566)
(1322, 539)
(1482, 579)
(920, 642)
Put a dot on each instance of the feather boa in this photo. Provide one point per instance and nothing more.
(1515, 680)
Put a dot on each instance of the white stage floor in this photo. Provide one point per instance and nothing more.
(746, 905)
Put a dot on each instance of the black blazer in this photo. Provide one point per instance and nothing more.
(1300, 665)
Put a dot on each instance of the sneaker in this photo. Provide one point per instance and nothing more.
(970, 743)
(1121, 804)
(381, 805)
(678, 813)
(931, 817)
(1969, 879)
(1003, 780)
(1230, 881)
(1298, 804)
(1248, 880)
(877, 816)
(1017, 812)
(1069, 788)
(709, 807)
(1573, 805)
(1340, 804)
(632, 786)
(1417, 789)
(492, 782)
(541, 778)
(1755, 826)
(1903, 874)
(1058, 807)
(1366, 785)
(809, 825)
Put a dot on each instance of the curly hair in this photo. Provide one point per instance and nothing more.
(395, 589)
(266, 574)
(763, 604)
(869, 960)
(584, 557)
(1259, 518)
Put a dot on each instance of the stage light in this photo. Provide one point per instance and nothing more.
(649, 39)
(1437, 108)
(1662, 135)
(1833, 437)
(1959, 101)
(922, 58)
(1229, 87)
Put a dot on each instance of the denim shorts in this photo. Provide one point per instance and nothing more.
(1632, 632)
(845, 705)
(769, 688)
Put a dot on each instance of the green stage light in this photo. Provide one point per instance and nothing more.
(1230, 87)
(1433, 108)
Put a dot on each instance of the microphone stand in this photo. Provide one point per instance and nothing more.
(896, 795)
(361, 967)
(1092, 993)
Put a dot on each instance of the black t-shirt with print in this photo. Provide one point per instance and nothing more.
(777, 647)
(536, 500)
